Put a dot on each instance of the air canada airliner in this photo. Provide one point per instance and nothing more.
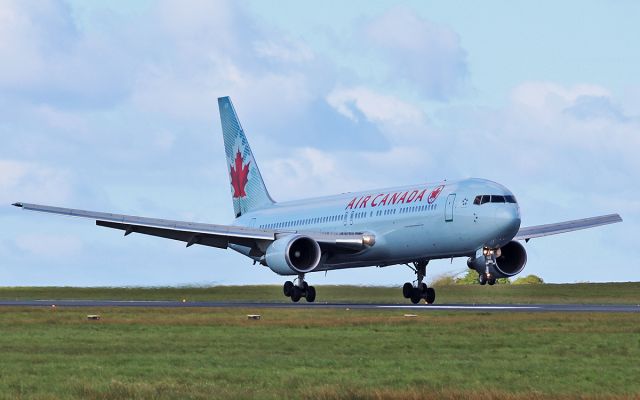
(473, 218)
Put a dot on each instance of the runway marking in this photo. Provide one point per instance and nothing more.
(463, 307)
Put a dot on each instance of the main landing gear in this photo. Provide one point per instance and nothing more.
(299, 290)
(419, 290)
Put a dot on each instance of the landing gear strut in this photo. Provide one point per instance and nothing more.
(419, 290)
(299, 289)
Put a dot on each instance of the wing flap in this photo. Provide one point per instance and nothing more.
(190, 238)
(531, 232)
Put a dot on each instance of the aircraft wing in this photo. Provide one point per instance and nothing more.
(531, 232)
(220, 236)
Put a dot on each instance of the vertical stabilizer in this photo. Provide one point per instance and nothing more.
(248, 190)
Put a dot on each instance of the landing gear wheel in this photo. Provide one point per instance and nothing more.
(287, 288)
(491, 281)
(482, 279)
(407, 290)
(430, 295)
(296, 294)
(420, 290)
(416, 296)
(311, 294)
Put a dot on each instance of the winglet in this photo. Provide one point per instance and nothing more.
(17, 204)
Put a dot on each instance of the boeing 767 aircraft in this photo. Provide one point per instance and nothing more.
(474, 218)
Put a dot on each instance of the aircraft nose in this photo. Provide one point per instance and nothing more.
(507, 220)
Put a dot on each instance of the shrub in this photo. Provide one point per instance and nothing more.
(471, 278)
(444, 280)
(528, 280)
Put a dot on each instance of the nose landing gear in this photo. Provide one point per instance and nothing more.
(299, 290)
(489, 262)
(483, 279)
(420, 290)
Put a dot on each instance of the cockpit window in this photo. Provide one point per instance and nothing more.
(494, 198)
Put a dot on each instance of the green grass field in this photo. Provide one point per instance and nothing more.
(582, 293)
(204, 353)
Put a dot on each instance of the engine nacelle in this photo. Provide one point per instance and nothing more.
(292, 255)
(510, 261)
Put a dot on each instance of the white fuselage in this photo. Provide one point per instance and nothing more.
(418, 222)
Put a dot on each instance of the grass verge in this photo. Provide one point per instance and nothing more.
(580, 293)
(205, 353)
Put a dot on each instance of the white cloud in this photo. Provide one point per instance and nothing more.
(47, 59)
(375, 106)
(30, 182)
(293, 52)
(419, 53)
(307, 172)
(546, 99)
(398, 120)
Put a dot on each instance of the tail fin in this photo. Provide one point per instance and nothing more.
(248, 190)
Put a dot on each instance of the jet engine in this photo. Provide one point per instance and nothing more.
(510, 260)
(292, 255)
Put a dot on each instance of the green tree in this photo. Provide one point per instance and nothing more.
(470, 278)
(528, 280)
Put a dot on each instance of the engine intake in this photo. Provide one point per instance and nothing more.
(292, 255)
(510, 261)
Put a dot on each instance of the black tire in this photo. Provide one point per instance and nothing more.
(482, 279)
(423, 288)
(287, 288)
(416, 296)
(491, 281)
(430, 295)
(305, 285)
(407, 290)
(296, 294)
(311, 294)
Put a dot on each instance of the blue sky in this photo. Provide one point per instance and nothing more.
(112, 106)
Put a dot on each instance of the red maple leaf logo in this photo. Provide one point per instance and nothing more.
(239, 176)
(434, 195)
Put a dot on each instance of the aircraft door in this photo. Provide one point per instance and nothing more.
(345, 218)
(448, 208)
(351, 218)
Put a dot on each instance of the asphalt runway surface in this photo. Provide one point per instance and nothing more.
(568, 308)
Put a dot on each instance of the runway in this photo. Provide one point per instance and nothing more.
(563, 308)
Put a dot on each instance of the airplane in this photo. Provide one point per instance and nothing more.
(474, 218)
